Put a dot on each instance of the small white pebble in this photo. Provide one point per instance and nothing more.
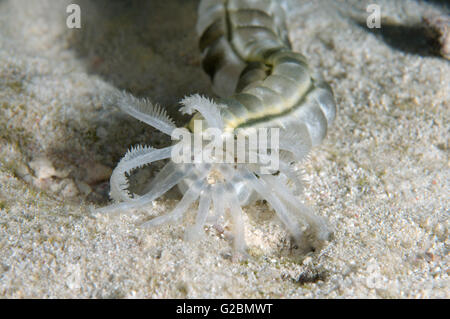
(42, 168)
(70, 189)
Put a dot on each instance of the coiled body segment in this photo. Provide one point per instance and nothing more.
(261, 84)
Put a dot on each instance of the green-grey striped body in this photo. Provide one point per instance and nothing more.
(261, 81)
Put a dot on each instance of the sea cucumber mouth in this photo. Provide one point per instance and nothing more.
(215, 177)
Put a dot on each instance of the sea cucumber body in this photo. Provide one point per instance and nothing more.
(261, 81)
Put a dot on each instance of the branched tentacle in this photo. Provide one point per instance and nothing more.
(147, 112)
(318, 224)
(196, 231)
(266, 192)
(188, 198)
(164, 181)
(135, 158)
(219, 207)
(204, 106)
(236, 216)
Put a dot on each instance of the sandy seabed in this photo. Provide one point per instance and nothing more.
(381, 177)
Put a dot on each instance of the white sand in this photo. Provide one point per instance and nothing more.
(381, 177)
